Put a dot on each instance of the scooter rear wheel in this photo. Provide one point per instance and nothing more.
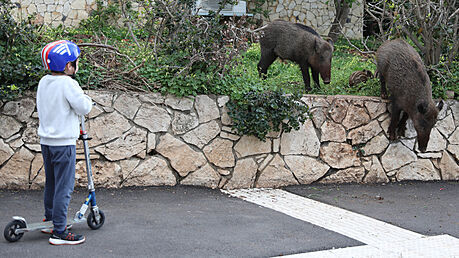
(10, 230)
(93, 223)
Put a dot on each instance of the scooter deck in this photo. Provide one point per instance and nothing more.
(44, 225)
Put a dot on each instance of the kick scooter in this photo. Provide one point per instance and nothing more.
(95, 219)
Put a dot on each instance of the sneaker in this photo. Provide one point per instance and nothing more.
(66, 238)
(50, 230)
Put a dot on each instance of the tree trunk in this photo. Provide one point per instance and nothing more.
(342, 12)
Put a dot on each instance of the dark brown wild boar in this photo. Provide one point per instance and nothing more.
(300, 44)
(402, 71)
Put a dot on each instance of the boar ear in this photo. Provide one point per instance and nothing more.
(440, 105)
(331, 42)
(422, 108)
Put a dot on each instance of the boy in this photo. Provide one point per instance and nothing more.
(60, 102)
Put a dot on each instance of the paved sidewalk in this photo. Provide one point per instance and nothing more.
(199, 222)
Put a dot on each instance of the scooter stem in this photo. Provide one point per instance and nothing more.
(84, 138)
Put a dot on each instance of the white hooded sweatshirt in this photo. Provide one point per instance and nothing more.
(60, 102)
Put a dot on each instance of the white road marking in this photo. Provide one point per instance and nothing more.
(382, 239)
(434, 246)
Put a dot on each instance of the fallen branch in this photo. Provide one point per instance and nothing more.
(98, 45)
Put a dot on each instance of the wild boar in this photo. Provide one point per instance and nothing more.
(360, 76)
(402, 71)
(297, 43)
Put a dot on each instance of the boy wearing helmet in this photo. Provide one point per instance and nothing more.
(60, 101)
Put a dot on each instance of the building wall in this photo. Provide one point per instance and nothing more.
(144, 139)
(314, 13)
(55, 12)
(318, 14)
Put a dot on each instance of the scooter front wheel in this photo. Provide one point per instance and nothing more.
(94, 223)
(10, 230)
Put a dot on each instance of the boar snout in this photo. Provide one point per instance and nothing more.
(422, 147)
(326, 77)
(423, 140)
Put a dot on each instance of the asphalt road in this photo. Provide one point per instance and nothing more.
(200, 222)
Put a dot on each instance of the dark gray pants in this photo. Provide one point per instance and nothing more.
(59, 163)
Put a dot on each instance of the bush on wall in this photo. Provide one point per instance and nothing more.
(20, 67)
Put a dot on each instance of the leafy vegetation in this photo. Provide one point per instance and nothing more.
(20, 68)
(172, 51)
(259, 113)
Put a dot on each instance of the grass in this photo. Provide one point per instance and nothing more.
(288, 75)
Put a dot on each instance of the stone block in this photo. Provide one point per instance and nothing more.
(9, 126)
(182, 158)
(251, 145)
(276, 174)
(78, 4)
(103, 98)
(37, 173)
(339, 155)
(364, 133)
(205, 176)
(397, 156)
(421, 169)
(356, 116)
(206, 108)
(203, 134)
(220, 153)
(454, 150)
(302, 141)
(116, 123)
(376, 174)
(338, 110)
(182, 104)
(446, 126)
(376, 145)
(454, 138)
(449, 167)
(349, 175)
(184, 122)
(5, 152)
(375, 109)
(154, 118)
(107, 174)
(127, 105)
(15, 173)
(154, 171)
(244, 174)
(306, 169)
(131, 143)
(332, 132)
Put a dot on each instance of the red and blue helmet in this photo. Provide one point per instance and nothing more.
(57, 54)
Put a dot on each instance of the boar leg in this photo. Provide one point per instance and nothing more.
(315, 77)
(394, 120)
(306, 79)
(402, 124)
(267, 58)
(383, 87)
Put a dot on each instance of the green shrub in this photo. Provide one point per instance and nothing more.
(20, 65)
(258, 113)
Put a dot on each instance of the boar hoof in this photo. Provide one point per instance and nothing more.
(392, 136)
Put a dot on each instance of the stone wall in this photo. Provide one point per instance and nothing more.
(149, 139)
(315, 13)
(318, 14)
(54, 13)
